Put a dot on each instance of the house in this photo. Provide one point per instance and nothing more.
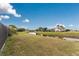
(32, 33)
(59, 28)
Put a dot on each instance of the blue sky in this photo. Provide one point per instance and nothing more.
(45, 15)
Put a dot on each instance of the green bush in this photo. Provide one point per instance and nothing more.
(21, 29)
(11, 30)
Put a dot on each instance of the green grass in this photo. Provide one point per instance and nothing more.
(24, 44)
(61, 34)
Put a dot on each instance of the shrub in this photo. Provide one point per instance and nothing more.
(21, 29)
(11, 30)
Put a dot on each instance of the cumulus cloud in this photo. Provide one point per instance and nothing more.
(6, 8)
(26, 21)
(4, 17)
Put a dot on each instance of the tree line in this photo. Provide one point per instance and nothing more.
(12, 29)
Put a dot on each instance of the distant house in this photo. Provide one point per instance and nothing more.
(32, 33)
(59, 28)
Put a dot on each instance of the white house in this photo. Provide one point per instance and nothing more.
(32, 33)
(59, 28)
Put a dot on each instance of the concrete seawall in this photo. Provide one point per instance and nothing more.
(3, 34)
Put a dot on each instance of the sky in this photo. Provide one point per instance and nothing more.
(34, 15)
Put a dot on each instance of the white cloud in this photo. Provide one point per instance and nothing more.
(71, 25)
(4, 17)
(26, 21)
(6, 8)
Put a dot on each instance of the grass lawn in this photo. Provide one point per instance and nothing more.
(24, 44)
(60, 34)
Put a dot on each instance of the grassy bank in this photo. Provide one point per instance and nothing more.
(25, 44)
(60, 34)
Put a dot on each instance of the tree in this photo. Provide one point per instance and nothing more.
(39, 29)
(12, 30)
(52, 30)
(13, 26)
(62, 27)
(21, 29)
(67, 30)
(42, 29)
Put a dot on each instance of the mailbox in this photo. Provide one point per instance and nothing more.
(3, 34)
